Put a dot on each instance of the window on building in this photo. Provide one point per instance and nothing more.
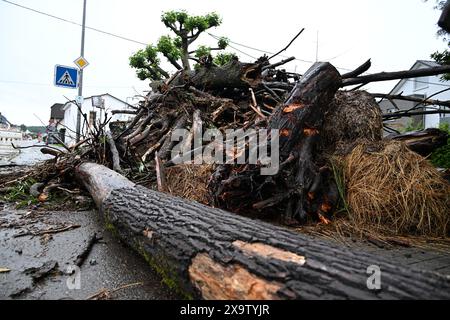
(391, 110)
(421, 83)
(92, 117)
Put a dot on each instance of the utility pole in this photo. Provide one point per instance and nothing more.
(80, 85)
(317, 46)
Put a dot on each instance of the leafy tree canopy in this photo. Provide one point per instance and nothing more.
(176, 47)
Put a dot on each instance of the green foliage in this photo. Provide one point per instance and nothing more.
(186, 28)
(202, 51)
(339, 178)
(411, 126)
(442, 58)
(223, 43)
(168, 47)
(143, 74)
(223, 58)
(36, 129)
(171, 17)
(201, 23)
(20, 194)
(147, 63)
(441, 157)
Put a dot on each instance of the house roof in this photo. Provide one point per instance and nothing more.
(429, 63)
(102, 95)
(419, 64)
(107, 94)
(3, 119)
(57, 111)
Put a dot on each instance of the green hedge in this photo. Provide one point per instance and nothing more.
(441, 157)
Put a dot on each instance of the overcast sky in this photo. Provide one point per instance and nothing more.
(393, 33)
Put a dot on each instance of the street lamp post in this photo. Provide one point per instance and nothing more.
(80, 85)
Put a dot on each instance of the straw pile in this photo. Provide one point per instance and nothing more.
(393, 190)
(189, 181)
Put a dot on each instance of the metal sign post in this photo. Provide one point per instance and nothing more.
(80, 86)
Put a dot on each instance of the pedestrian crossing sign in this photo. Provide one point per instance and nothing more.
(66, 77)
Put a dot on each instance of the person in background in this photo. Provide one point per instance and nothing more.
(51, 131)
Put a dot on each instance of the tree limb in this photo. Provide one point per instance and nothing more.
(114, 152)
(386, 76)
(289, 44)
(271, 66)
(413, 99)
(124, 112)
(402, 114)
(358, 71)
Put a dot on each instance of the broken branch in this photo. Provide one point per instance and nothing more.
(386, 76)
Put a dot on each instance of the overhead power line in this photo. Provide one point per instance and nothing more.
(309, 61)
(210, 34)
(256, 49)
(73, 22)
(51, 85)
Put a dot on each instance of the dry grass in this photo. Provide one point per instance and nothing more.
(393, 191)
(189, 181)
(345, 232)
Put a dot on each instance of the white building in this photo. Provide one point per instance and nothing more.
(423, 87)
(94, 108)
(8, 135)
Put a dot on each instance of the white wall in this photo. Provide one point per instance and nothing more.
(434, 85)
(71, 110)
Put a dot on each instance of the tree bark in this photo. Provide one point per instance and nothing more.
(114, 153)
(385, 76)
(413, 99)
(209, 253)
(423, 142)
(301, 187)
(234, 74)
(358, 71)
(444, 19)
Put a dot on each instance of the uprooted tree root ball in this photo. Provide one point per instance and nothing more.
(305, 119)
(395, 191)
(353, 115)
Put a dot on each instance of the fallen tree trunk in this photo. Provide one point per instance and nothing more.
(234, 74)
(423, 142)
(213, 254)
(303, 187)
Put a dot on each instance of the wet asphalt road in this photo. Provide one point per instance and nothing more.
(25, 157)
(39, 264)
